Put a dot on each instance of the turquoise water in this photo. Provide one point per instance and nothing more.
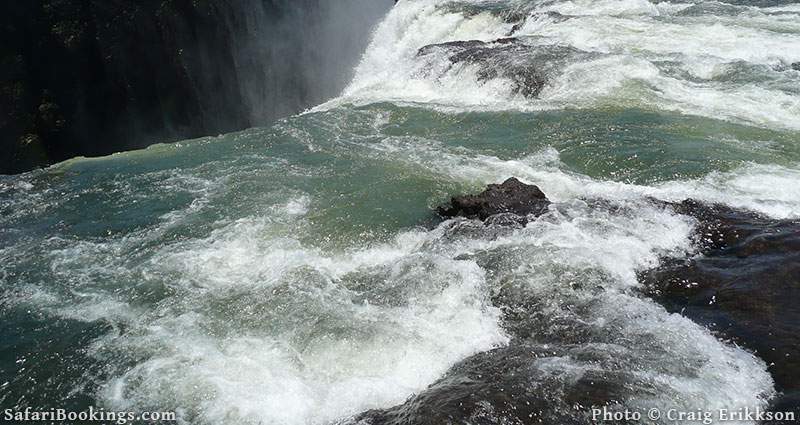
(297, 274)
(374, 170)
(101, 256)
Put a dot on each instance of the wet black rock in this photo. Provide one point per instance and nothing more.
(498, 59)
(560, 361)
(512, 196)
(557, 365)
(719, 226)
(576, 345)
(744, 285)
(527, 67)
(515, 14)
(796, 66)
(501, 386)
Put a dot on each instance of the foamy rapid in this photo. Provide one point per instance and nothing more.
(768, 189)
(702, 58)
(262, 329)
(297, 274)
(261, 325)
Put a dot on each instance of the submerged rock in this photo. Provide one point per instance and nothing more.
(744, 286)
(528, 67)
(507, 385)
(498, 59)
(512, 196)
(574, 345)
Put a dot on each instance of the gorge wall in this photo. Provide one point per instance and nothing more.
(92, 77)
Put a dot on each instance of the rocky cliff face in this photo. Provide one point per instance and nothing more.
(91, 77)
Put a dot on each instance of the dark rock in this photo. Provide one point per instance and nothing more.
(495, 387)
(555, 368)
(527, 80)
(512, 196)
(526, 66)
(515, 14)
(93, 77)
(560, 361)
(719, 226)
(744, 286)
(796, 66)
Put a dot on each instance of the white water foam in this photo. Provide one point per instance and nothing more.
(260, 327)
(603, 249)
(768, 189)
(635, 35)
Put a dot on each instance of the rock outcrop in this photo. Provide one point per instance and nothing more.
(95, 77)
(744, 286)
(512, 196)
(743, 283)
(527, 67)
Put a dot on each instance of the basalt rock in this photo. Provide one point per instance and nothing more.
(744, 286)
(495, 387)
(528, 67)
(558, 364)
(718, 226)
(511, 15)
(498, 59)
(512, 196)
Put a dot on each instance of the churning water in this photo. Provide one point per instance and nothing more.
(296, 274)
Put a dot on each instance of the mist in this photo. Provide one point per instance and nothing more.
(126, 74)
(291, 55)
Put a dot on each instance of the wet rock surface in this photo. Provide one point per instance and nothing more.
(504, 383)
(554, 370)
(744, 285)
(527, 67)
(512, 196)
(577, 345)
(561, 360)
(558, 365)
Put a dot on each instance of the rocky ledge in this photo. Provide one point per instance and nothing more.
(743, 285)
(527, 67)
(742, 282)
(512, 197)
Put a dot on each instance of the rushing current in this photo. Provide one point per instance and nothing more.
(297, 274)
